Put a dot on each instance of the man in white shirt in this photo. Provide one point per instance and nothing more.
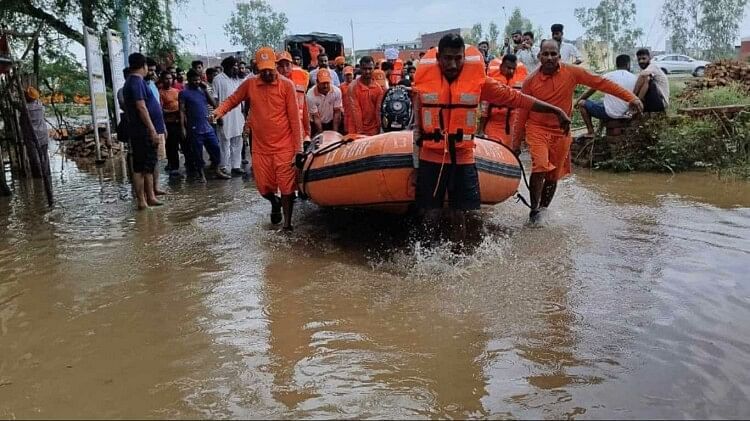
(323, 64)
(528, 54)
(568, 52)
(611, 108)
(229, 129)
(652, 86)
(325, 104)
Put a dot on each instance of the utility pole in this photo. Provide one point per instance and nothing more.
(354, 54)
(123, 24)
(170, 30)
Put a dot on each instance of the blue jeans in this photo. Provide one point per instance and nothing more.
(211, 143)
(596, 110)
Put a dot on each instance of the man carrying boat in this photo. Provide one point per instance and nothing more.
(450, 83)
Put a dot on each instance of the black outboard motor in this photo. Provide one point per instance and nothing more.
(396, 111)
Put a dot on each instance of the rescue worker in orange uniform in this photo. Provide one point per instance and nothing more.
(555, 82)
(495, 123)
(397, 66)
(300, 78)
(365, 96)
(277, 135)
(314, 49)
(348, 75)
(450, 83)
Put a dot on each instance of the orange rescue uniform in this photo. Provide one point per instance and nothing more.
(300, 78)
(499, 118)
(364, 102)
(491, 92)
(548, 145)
(347, 106)
(277, 135)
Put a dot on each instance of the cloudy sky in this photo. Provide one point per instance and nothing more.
(376, 22)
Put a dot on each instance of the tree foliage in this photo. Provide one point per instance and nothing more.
(611, 22)
(517, 22)
(255, 24)
(62, 20)
(493, 33)
(703, 28)
(476, 35)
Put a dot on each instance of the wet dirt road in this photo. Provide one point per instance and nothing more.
(634, 302)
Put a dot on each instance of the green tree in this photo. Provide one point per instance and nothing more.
(493, 33)
(255, 24)
(62, 20)
(680, 17)
(719, 26)
(703, 28)
(612, 21)
(610, 26)
(476, 35)
(517, 22)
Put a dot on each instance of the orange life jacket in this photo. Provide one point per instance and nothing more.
(300, 78)
(449, 111)
(493, 71)
(397, 73)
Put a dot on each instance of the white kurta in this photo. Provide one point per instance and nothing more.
(230, 132)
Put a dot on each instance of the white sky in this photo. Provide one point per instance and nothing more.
(380, 21)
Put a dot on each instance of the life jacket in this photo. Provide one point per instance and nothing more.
(300, 78)
(397, 73)
(449, 111)
(493, 71)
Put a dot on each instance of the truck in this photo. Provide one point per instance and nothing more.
(333, 44)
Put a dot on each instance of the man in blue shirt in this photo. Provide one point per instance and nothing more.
(145, 128)
(194, 100)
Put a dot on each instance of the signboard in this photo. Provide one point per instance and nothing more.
(97, 87)
(116, 63)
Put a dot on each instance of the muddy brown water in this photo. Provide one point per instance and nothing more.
(633, 303)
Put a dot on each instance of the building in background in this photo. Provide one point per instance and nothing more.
(431, 40)
(405, 45)
(744, 53)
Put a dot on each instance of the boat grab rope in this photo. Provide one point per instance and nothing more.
(323, 151)
(519, 196)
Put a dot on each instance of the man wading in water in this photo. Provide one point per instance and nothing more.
(549, 146)
(450, 83)
(277, 133)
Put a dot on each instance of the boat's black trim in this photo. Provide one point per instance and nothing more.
(395, 161)
(371, 163)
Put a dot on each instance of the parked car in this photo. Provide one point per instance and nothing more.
(678, 63)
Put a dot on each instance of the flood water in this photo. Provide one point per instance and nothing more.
(633, 303)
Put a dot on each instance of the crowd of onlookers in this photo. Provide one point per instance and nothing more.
(168, 111)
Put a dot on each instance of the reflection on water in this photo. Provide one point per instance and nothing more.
(633, 303)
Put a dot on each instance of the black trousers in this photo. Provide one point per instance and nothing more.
(175, 142)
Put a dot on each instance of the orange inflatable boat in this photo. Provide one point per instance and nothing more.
(378, 171)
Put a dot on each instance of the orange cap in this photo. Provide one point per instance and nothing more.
(324, 75)
(265, 58)
(379, 77)
(283, 55)
(348, 70)
(339, 60)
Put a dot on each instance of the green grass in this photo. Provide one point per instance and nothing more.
(732, 94)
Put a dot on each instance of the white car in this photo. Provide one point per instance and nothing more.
(678, 63)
